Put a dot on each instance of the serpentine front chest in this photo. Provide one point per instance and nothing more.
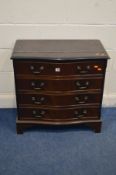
(59, 82)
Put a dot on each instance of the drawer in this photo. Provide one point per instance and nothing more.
(58, 114)
(59, 100)
(39, 85)
(46, 68)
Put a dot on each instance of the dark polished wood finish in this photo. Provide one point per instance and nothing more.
(56, 84)
(58, 114)
(47, 68)
(59, 82)
(56, 100)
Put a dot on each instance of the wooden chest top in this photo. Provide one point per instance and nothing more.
(66, 50)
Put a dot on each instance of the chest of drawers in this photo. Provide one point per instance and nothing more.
(59, 82)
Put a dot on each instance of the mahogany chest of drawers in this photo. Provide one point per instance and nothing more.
(59, 82)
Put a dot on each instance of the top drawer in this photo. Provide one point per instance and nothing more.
(59, 69)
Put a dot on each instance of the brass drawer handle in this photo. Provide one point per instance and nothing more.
(81, 102)
(87, 68)
(38, 114)
(84, 72)
(82, 85)
(37, 85)
(37, 100)
(80, 114)
(36, 72)
(32, 68)
(37, 88)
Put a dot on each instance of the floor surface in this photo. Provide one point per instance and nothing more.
(72, 151)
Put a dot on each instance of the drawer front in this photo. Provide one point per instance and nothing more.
(77, 68)
(59, 100)
(58, 114)
(59, 85)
